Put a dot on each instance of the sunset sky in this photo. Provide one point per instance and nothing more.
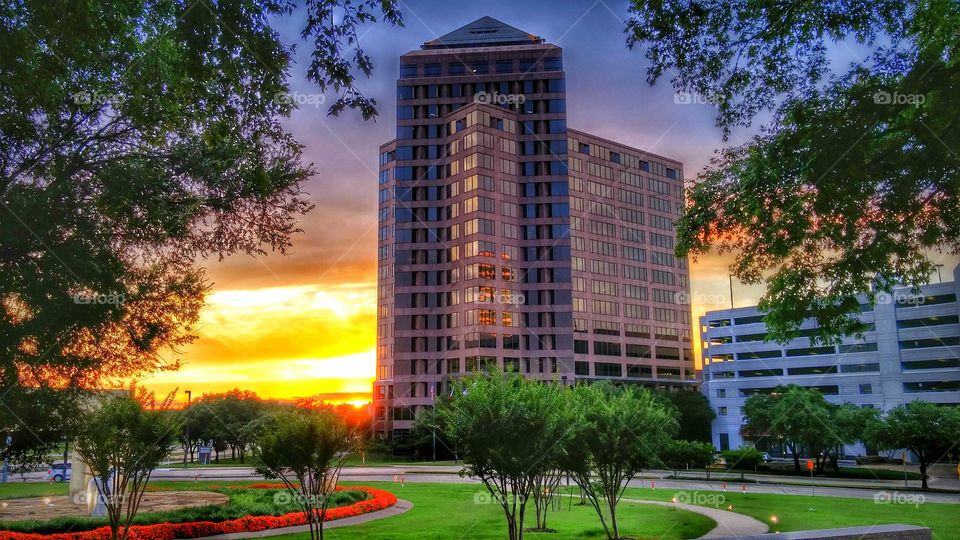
(304, 324)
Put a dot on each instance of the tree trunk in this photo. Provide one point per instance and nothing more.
(796, 460)
(923, 472)
(512, 526)
(612, 504)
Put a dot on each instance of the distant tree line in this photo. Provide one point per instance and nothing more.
(807, 424)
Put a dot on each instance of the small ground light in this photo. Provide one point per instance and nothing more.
(730, 507)
(773, 519)
(46, 500)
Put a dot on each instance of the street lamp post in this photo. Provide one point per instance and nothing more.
(730, 276)
(186, 429)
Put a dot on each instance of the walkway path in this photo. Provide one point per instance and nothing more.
(729, 524)
(397, 509)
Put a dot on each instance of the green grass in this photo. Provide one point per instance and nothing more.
(450, 511)
(800, 512)
(17, 490)
(242, 502)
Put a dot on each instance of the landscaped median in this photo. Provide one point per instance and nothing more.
(376, 499)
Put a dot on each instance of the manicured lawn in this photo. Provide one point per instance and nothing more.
(16, 490)
(798, 512)
(457, 511)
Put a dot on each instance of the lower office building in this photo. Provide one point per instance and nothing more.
(910, 351)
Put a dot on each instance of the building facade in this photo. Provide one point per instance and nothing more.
(911, 351)
(507, 239)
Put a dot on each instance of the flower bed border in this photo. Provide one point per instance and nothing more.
(379, 500)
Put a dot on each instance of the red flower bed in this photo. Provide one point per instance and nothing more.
(379, 500)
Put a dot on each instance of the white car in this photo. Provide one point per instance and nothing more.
(59, 472)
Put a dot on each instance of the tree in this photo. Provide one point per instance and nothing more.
(798, 416)
(848, 424)
(427, 434)
(122, 442)
(694, 414)
(678, 454)
(306, 450)
(929, 431)
(615, 433)
(233, 411)
(507, 429)
(743, 459)
(854, 181)
(135, 140)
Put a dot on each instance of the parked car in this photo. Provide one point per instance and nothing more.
(59, 472)
(766, 457)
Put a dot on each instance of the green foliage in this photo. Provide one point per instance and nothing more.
(230, 420)
(694, 414)
(854, 181)
(614, 433)
(679, 454)
(306, 450)
(929, 431)
(139, 137)
(122, 443)
(509, 431)
(745, 458)
(806, 422)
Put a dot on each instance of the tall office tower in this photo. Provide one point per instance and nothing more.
(508, 239)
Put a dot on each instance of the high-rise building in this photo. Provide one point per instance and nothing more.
(910, 350)
(508, 239)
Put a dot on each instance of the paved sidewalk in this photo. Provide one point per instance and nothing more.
(397, 509)
(729, 524)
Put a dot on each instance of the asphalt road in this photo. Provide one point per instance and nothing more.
(448, 474)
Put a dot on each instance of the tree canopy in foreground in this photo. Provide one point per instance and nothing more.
(855, 180)
(138, 137)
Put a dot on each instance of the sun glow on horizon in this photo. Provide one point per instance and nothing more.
(283, 343)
